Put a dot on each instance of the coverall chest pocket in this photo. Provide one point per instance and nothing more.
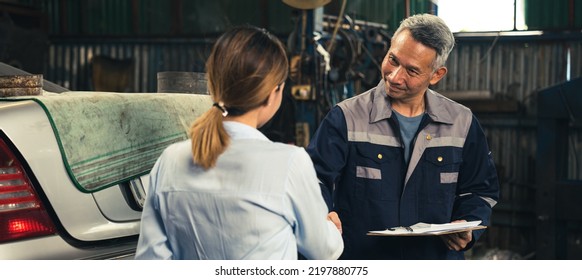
(375, 174)
(442, 173)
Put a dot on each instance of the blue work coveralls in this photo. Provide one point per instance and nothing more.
(359, 157)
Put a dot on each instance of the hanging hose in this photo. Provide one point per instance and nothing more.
(337, 26)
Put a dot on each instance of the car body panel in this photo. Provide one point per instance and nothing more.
(114, 206)
(77, 211)
(83, 217)
(56, 248)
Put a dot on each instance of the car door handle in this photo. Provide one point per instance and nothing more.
(138, 192)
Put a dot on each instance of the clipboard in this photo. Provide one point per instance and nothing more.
(424, 229)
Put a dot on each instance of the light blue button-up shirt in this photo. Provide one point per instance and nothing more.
(261, 201)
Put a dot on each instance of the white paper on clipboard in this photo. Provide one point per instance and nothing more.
(421, 229)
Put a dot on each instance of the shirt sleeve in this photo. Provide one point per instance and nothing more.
(478, 184)
(153, 242)
(328, 150)
(317, 238)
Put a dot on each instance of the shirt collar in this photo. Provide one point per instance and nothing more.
(237, 130)
(435, 107)
(382, 109)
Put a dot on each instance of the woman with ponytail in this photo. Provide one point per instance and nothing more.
(229, 192)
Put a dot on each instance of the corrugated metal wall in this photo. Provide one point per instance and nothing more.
(199, 17)
(553, 15)
(131, 18)
(514, 69)
(70, 60)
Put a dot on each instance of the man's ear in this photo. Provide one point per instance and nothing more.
(438, 75)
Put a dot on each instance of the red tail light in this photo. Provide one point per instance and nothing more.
(22, 214)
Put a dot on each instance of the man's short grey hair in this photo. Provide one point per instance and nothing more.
(431, 31)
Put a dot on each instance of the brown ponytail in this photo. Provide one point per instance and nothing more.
(245, 64)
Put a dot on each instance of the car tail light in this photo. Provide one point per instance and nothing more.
(22, 215)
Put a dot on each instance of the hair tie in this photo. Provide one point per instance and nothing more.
(220, 106)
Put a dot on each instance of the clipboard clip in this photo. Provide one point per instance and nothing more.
(409, 229)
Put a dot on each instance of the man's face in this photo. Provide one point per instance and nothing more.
(407, 68)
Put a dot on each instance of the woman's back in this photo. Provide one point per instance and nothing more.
(260, 201)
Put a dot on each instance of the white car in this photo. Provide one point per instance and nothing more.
(73, 177)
